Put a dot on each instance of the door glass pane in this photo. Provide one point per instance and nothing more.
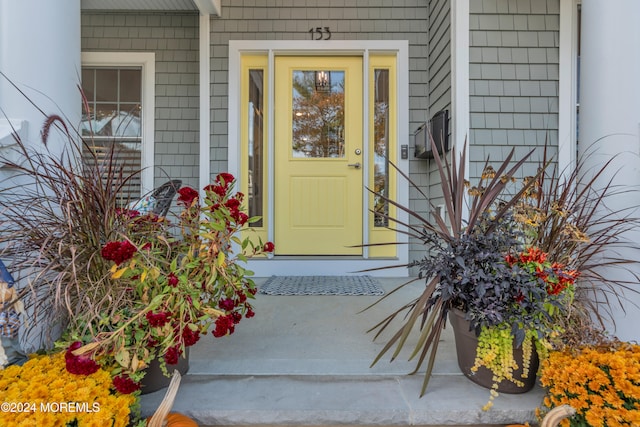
(256, 135)
(381, 147)
(318, 114)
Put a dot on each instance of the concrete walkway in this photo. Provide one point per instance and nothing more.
(305, 360)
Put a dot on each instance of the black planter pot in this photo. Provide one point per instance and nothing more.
(466, 345)
(155, 380)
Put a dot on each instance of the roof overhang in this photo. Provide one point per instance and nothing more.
(209, 7)
(204, 7)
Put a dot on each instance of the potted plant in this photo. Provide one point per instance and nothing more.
(125, 288)
(176, 287)
(506, 313)
(507, 253)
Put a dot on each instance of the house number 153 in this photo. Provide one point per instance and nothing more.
(320, 33)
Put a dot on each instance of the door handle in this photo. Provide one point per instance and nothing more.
(355, 165)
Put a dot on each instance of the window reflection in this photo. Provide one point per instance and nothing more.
(114, 102)
(318, 114)
(381, 147)
(112, 121)
(256, 154)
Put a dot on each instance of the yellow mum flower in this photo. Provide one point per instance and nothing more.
(602, 384)
(54, 385)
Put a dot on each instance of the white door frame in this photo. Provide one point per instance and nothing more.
(567, 86)
(322, 265)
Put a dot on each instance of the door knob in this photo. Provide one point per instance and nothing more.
(354, 165)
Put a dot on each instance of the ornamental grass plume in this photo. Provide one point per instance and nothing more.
(55, 228)
(42, 384)
(602, 383)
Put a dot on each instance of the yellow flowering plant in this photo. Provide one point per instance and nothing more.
(601, 382)
(43, 393)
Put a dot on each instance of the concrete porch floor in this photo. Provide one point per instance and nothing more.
(305, 360)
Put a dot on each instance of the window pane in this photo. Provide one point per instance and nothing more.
(130, 86)
(318, 114)
(87, 84)
(103, 120)
(106, 85)
(256, 147)
(126, 157)
(127, 123)
(114, 120)
(381, 147)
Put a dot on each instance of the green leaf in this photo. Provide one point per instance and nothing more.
(221, 259)
(139, 334)
(122, 357)
(218, 225)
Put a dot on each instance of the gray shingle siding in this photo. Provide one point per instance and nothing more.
(513, 69)
(174, 40)
(439, 60)
(424, 172)
(291, 20)
(513, 75)
(348, 20)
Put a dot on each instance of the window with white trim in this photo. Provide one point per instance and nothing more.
(112, 117)
(119, 92)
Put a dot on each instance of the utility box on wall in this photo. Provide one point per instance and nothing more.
(438, 128)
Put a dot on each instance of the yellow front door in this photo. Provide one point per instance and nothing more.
(318, 155)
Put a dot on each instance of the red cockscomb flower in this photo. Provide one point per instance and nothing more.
(269, 247)
(225, 179)
(186, 196)
(157, 319)
(227, 304)
(240, 218)
(233, 204)
(118, 252)
(216, 189)
(172, 280)
(79, 365)
(128, 213)
(172, 355)
(124, 384)
(241, 296)
(189, 336)
(224, 326)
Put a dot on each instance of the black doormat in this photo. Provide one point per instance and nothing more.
(321, 285)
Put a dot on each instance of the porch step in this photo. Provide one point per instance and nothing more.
(311, 400)
(305, 361)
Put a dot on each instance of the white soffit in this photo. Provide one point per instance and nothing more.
(211, 7)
